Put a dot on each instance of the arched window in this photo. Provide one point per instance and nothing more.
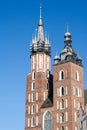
(33, 97)
(28, 122)
(36, 96)
(62, 91)
(62, 103)
(61, 75)
(33, 109)
(36, 108)
(47, 121)
(33, 75)
(77, 76)
(33, 85)
(33, 121)
(62, 117)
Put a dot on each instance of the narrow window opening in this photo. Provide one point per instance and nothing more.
(62, 75)
(62, 91)
(62, 103)
(62, 117)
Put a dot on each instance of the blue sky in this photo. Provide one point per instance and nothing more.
(18, 21)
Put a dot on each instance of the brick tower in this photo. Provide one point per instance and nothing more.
(53, 101)
(68, 86)
(39, 80)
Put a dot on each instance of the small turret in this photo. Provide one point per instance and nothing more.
(79, 60)
(56, 59)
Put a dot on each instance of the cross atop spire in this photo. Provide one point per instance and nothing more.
(40, 21)
(40, 11)
(67, 29)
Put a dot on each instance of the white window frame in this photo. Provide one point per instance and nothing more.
(36, 120)
(33, 109)
(40, 61)
(60, 119)
(58, 92)
(66, 116)
(28, 122)
(75, 128)
(77, 76)
(57, 128)
(61, 91)
(36, 96)
(36, 108)
(75, 117)
(60, 75)
(32, 123)
(60, 105)
(66, 127)
(33, 85)
(33, 75)
(33, 94)
(66, 103)
(57, 118)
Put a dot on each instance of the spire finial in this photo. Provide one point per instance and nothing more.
(67, 29)
(56, 51)
(40, 11)
(40, 21)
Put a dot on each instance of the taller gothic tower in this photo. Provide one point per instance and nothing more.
(39, 80)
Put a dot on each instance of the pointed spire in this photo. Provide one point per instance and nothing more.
(40, 27)
(40, 43)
